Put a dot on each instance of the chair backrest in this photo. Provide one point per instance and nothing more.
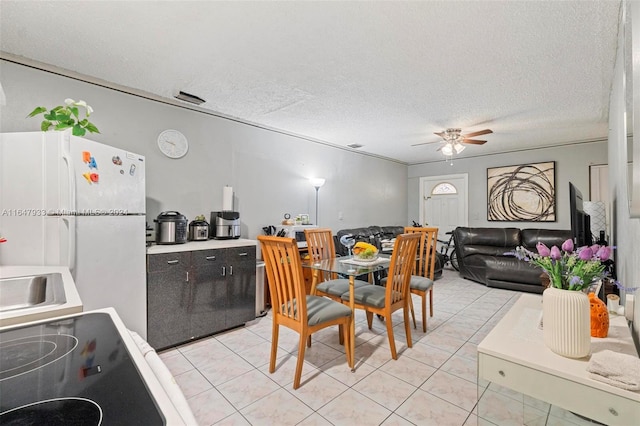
(320, 243)
(321, 246)
(286, 283)
(427, 250)
(403, 260)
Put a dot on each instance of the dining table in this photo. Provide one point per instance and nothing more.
(347, 266)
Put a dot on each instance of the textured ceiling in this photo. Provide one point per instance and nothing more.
(385, 75)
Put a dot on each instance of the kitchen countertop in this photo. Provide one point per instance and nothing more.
(200, 245)
(17, 316)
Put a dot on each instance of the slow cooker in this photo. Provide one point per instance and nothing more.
(198, 230)
(171, 228)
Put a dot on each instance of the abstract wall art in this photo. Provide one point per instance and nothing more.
(524, 193)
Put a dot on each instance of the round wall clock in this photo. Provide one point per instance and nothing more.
(173, 144)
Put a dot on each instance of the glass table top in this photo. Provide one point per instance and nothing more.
(342, 265)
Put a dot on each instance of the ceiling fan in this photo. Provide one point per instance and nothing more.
(452, 137)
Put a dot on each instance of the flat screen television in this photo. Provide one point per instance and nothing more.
(580, 221)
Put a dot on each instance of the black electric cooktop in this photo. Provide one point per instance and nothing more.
(75, 371)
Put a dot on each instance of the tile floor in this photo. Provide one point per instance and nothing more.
(226, 381)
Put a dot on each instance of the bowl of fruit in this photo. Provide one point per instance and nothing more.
(365, 252)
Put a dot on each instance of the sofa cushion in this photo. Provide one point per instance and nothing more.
(501, 237)
(470, 250)
(390, 232)
(549, 237)
(512, 269)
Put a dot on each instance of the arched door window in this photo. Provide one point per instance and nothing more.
(444, 188)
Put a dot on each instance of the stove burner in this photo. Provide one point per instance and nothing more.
(54, 412)
(19, 356)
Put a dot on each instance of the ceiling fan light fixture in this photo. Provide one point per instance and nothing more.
(458, 147)
(447, 150)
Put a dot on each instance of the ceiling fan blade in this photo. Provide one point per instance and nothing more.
(425, 143)
(441, 134)
(478, 133)
(474, 141)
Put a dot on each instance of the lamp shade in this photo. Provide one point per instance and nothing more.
(459, 147)
(447, 150)
(317, 182)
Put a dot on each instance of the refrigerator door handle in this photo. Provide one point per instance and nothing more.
(66, 156)
(70, 220)
(71, 226)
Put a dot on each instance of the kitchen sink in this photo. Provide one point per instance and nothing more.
(31, 291)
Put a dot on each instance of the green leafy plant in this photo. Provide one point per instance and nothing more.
(65, 117)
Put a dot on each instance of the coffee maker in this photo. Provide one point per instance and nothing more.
(224, 225)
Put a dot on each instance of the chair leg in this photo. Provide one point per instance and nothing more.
(309, 341)
(392, 342)
(407, 328)
(423, 296)
(369, 319)
(341, 334)
(274, 346)
(413, 315)
(301, 349)
(344, 336)
(431, 302)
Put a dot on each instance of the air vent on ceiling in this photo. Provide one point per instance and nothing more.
(183, 96)
(355, 145)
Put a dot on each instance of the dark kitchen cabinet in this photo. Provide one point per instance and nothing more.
(209, 293)
(241, 285)
(168, 299)
(192, 294)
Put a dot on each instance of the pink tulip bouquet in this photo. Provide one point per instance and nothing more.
(569, 269)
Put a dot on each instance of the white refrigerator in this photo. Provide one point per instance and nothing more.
(73, 202)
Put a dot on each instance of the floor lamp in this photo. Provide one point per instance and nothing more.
(317, 183)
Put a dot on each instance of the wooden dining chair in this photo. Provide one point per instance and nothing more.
(292, 307)
(422, 280)
(320, 245)
(384, 301)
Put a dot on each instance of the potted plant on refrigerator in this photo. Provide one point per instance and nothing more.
(65, 117)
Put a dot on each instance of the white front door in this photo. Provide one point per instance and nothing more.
(444, 202)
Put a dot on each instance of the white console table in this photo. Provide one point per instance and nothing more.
(514, 365)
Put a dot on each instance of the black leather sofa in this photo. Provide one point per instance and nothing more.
(373, 235)
(482, 255)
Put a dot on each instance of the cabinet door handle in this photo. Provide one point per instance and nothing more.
(224, 271)
(210, 258)
(243, 254)
(231, 270)
(187, 276)
(172, 262)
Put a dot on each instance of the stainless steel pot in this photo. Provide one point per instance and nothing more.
(171, 228)
(198, 230)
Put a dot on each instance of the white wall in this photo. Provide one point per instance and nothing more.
(572, 165)
(268, 170)
(626, 230)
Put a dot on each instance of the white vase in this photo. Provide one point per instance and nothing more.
(567, 322)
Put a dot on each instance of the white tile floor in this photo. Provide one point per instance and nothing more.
(226, 381)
